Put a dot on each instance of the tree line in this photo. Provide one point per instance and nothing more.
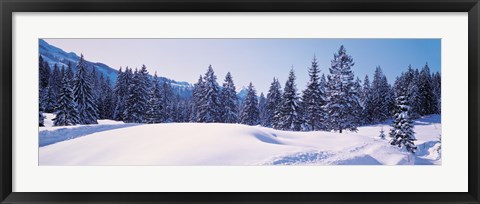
(337, 101)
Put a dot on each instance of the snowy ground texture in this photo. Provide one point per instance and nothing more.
(116, 143)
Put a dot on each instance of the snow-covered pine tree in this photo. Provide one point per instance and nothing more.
(209, 110)
(382, 134)
(97, 89)
(136, 101)
(229, 101)
(289, 113)
(437, 90)
(313, 100)
(120, 92)
(44, 73)
(196, 100)
(56, 79)
(106, 98)
(70, 74)
(274, 100)
(342, 97)
(167, 99)
(425, 88)
(49, 93)
(358, 108)
(83, 95)
(250, 114)
(381, 96)
(154, 107)
(50, 98)
(402, 133)
(262, 106)
(409, 81)
(66, 110)
(367, 112)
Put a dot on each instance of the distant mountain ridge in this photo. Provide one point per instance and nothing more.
(54, 55)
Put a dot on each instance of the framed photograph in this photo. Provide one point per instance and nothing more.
(263, 101)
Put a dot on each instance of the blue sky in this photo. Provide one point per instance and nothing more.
(255, 60)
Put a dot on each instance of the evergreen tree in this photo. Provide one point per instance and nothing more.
(262, 106)
(167, 99)
(366, 101)
(154, 107)
(358, 108)
(437, 91)
(56, 80)
(402, 133)
(44, 73)
(67, 111)
(229, 101)
(120, 94)
(409, 81)
(250, 114)
(70, 74)
(289, 113)
(381, 97)
(50, 98)
(106, 99)
(136, 101)
(197, 100)
(343, 98)
(313, 100)
(209, 110)
(83, 95)
(274, 100)
(96, 87)
(425, 88)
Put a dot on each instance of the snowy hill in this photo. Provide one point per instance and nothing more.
(235, 144)
(52, 55)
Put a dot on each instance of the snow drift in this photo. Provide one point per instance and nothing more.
(235, 144)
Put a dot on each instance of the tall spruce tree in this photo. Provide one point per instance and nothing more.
(289, 113)
(106, 98)
(274, 100)
(437, 91)
(154, 107)
(366, 101)
(168, 101)
(83, 95)
(56, 79)
(44, 74)
(136, 101)
(229, 101)
(250, 114)
(343, 98)
(313, 100)
(67, 113)
(425, 88)
(97, 89)
(358, 108)
(50, 98)
(402, 133)
(262, 106)
(197, 100)
(120, 94)
(381, 96)
(209, 110)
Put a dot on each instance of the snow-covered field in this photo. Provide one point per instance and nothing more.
(230, 144)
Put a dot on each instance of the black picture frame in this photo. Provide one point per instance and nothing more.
(7, 8)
